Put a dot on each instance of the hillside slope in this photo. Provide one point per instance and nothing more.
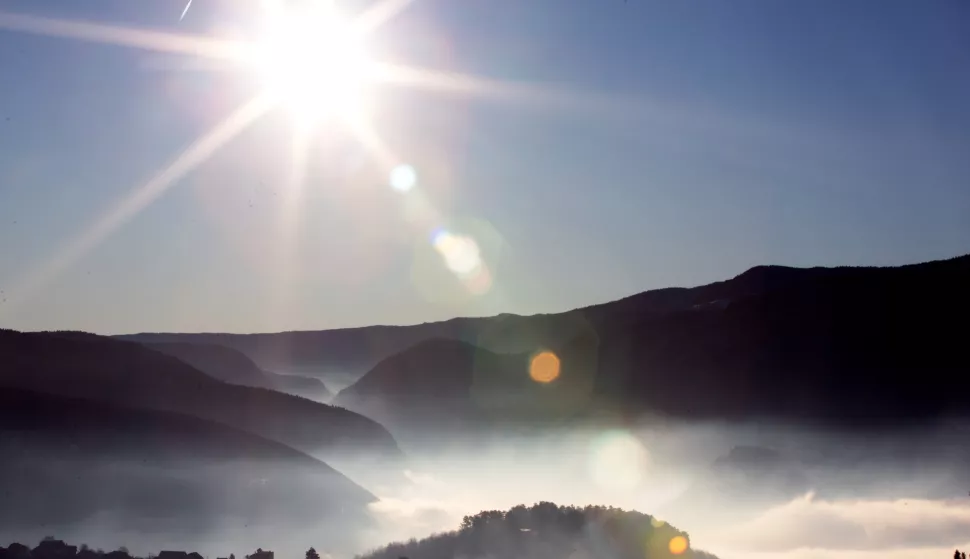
(229, 365)
(820, 345)
(449, 384)
(128, 374)
(548, 531)
(830, 346)
(70, 461)
(839, 346)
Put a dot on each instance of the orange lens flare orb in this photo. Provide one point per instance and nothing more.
(678, 545)
(544, 367)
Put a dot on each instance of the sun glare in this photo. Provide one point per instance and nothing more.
(312, 62)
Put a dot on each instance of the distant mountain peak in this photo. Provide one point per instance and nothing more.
(233, 366)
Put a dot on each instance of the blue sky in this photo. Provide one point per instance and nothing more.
(706, 137)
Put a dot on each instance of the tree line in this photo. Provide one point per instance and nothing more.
(549, 531)
(52, 548)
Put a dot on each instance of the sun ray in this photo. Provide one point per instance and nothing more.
(144, 39)
(143, 195)
(380, 14)
(473, 86)
(371, 140)
(242, 51)
(289, 224)
(298, 62)
(442, 81)
(533, 94)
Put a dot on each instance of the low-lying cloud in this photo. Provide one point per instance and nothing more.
(853, 529)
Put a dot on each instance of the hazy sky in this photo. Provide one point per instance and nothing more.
(700, 137)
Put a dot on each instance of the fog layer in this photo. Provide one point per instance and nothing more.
(740, 491)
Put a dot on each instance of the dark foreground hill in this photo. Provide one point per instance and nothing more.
(128, 374)
(548, 531)
(69, 463)
(232, 366)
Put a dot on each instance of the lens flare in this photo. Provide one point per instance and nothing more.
(480, 283)
(403, 178)
(618, 461)
(461, 253)
(544, 367)
(463, 257)
(678, 545)
(315, 63)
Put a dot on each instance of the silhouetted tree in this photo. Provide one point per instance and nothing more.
(120, 553)
(312, 554)
(18, 551)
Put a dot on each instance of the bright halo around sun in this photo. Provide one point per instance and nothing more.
(312, 61)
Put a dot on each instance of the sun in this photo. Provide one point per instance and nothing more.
(312, 62)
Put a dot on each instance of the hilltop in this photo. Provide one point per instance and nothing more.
(548, 531)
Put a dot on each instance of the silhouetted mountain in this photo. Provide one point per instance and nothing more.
(229, 365)
(842, 346)
(473, 388)
(548, 531)
(354, 351)
(345, 353)
(435, 379)
(70, 461)
(846, 346)
(128, 374)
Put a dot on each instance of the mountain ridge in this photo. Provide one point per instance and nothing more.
(772, 342)
(753, 270)
(124, 373)
(232, 366)
(781, 344)
(259, 345)
(68, 460)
